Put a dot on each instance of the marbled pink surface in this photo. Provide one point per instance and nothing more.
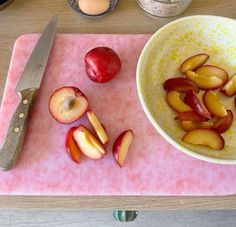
(153, 166)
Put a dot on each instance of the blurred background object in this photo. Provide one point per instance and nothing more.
(4, 3)
(164, 8)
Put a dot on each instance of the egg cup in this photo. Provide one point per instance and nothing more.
(74, 5)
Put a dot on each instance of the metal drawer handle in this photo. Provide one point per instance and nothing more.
(125, 215)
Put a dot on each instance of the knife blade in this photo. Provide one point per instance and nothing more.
(27, 88)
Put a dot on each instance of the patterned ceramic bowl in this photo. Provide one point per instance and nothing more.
(160, 60)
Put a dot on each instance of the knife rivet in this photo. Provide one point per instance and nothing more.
(25, 101)
(16, 129)
(21, 115)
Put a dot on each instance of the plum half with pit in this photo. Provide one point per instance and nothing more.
(67, 104)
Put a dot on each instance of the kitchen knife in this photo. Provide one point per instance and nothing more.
(27, 89)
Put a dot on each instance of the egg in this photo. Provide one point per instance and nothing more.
(94, 7)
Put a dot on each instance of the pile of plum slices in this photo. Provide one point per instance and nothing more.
(199, 109)
(68, 104)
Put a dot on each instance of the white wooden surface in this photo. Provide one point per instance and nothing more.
(105, 219)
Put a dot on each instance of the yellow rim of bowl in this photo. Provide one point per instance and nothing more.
(145, 108)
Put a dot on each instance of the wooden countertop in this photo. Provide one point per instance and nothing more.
(24, 16)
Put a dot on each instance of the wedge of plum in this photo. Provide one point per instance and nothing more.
(98, 127)
(194, 62)
(121, 146)
(204, 82)
(175, 102)
(196, 104)
(205, 137)
(190, 125)
(88, 143)
(213, 104)
(229, 89)
(71, 146)
(190, 116)
(180, 84)
(212, 70)
(222, 124)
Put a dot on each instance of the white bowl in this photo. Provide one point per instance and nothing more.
(160, 60)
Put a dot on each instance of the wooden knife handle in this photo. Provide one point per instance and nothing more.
(17, 129)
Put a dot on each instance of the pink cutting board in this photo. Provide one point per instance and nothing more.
(153, 166)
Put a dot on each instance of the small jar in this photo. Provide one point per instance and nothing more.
(5, 3)
(164, 8)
